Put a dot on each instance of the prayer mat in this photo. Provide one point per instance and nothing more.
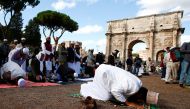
(153, 106)
(75, 95)
(71, 82)
(29, 84)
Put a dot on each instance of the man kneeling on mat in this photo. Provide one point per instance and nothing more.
(12, 73)
(110, 81)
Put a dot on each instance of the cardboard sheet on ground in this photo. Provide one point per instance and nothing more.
(29, 84)
(84, 79)
(71, 82)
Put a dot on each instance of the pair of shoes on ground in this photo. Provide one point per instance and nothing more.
(187, 86)
(175, 82)
(184, 86)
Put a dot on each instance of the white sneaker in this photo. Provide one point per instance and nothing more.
(163, 79)
(59, 82)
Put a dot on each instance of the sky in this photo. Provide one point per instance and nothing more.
(92, 17)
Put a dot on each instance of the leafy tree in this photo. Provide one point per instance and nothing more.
(32, 34)
(16, 27)
(12, 7)
(54, 21)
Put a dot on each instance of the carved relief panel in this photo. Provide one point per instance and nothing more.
(168, 42)
(117, 43)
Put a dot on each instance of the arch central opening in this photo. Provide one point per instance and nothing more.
(138, 47)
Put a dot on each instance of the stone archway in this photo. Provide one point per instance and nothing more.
(131, 45)
(157, 31)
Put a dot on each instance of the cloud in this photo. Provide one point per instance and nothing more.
(89, 2)
(159, 6)
(86, 43)
(101, 42)
(185, 38)
(124, 1)
(89, 29)
(61, 4)
(98, 46)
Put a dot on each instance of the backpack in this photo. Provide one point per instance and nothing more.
(173, 56)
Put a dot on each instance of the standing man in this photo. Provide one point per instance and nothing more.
(62, 70)
(137, 65)
(4, 51)
(163, 67)
(90, 63)
(71, 56)
(129, 63)
(22, 43)
(149, 66)
(77, 58)
(169, 65)
(185, 65)
(15, 42)
(48, 51)
(99, 58)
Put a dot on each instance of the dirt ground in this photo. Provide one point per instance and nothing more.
(57, 97)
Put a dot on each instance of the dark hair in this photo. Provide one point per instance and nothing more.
(140, 95)
(88, 103)
(111, 60)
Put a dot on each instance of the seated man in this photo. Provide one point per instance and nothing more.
(110, 81)
(36, 65)
(11, 72)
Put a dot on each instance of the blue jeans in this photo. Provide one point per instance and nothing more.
(163, 71)
(136, 70)
(185, 73)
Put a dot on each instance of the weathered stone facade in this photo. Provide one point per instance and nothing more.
(157, 31)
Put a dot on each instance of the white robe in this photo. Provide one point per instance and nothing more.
(14, 68)
(10, 55)
(111, 81)
(48, 63)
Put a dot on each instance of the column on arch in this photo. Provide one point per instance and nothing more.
(108, 46)
(151, 46)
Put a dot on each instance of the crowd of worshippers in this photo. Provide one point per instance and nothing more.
(48, 63)
(174, 65)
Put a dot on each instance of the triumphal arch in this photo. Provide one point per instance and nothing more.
(157, 31)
